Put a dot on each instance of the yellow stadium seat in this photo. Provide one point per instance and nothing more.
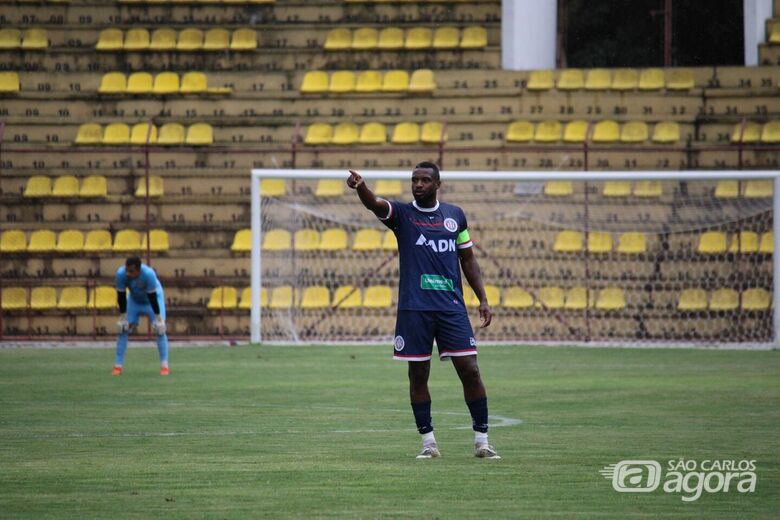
(13, 241)
(116, 134)
(98, 241)
(223, 298)
(422, 80)
(156, 186)
(110, 40)
(329, 188)
(140, 83)
(38, 186)
(575, 131)
(606, 132)
(540, 80)
(433, 132)
(634, 132)
(774, 33)
(520, 132)
(473, 38)
(378, 296)
(42, 241)
(570, 79)
(70, 241)
(10, 38)
(611, 299)
(365, 38)
(547, 132)
(159, 240)
(517, 298)
(367, 240)
(759, 189)
(139, 132)
(648, 189)
(73, 298)
(43, 298)
(243, 40)
(578, 298)
(756, 300)
(373, 133)
(94, 186)
(306, 240)
(767, 245)
(666, 132)
(598, 79)
(137, 39)
(651, 79)
(369, 81)
(632, 243)
(127, 240)
(14, 298)
(347, 297)
(242, 241)
(317, 297)
(65, 186)
(549, 298)
(616, 189)
(388, 188)
(166, 83)
(339, 39)
(558, 188)
(771, 132)
(200, 134)
(89, 133)
(163, 39)
(712, 242)
(692, 300)
(406, 133)
(599, 242)
(389, 242)
(102, 297)
(391, 38)
(35, 39)
(418, 38)
(679, 79)
(345, 133)
(171, 134)
(446, 38)
(190, 40)
(750, 134)
(342, 81)
(314, 82)
(9, 82)
(246, 298)
(334, 239)
(724, 300)
(492, 292)
(727, 189)
(194, 83)
(277, 240)
(395, 81)
(625, 79)
(273, 187)
(113, 83)
(281, 297)
(318, 133)
(568, 242)
(744, 242)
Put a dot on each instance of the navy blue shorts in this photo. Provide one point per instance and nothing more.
(416, 330)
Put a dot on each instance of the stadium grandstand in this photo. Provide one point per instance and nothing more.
(131, 127)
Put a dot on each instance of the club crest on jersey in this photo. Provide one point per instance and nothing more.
(438, 246)
(450, 225)
(398, 343)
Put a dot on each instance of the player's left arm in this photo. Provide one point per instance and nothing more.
(470, 266)
(159, 323)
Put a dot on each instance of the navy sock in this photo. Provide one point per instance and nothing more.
(422, 416)
(479, 414)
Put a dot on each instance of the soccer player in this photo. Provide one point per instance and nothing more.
(433, 245)
(146, 297)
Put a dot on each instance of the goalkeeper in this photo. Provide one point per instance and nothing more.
(433, 246)
(146, 297)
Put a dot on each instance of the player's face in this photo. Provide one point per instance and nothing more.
(132, 272)
(424, 186)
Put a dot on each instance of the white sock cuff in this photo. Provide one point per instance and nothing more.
(480, 438)
(428, 439)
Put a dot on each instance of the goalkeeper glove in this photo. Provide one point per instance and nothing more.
(123, 324)
(159, 326)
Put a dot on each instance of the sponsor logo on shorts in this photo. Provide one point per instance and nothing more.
(398, 343)
(450, 225)
(472, 342)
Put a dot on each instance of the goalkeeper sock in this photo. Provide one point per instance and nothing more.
(479, 414)
(121, 348)
(422, 416)
(162, 349)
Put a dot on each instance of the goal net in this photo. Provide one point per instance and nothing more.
(624, 258)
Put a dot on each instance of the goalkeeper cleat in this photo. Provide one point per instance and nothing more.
(485, 451)
(429, 452)
(116, 371)
(164, 371)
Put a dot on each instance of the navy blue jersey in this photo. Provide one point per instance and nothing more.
(428, 244)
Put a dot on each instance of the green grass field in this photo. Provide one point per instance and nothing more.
(247, 432)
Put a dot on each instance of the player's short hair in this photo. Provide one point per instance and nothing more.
(427, 165)
(133, 261)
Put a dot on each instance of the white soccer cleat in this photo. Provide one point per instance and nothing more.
(429, 452)
(485, 451)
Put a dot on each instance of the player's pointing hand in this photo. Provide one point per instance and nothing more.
(485, 314)
(354, 180)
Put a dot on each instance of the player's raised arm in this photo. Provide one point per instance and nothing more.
(380, 207)
(468, 262)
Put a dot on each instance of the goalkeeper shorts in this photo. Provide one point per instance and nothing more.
(415, 332)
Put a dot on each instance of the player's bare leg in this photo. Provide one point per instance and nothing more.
(421, 406)
(476, 400)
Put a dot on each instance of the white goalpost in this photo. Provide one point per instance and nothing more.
(660, 258)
